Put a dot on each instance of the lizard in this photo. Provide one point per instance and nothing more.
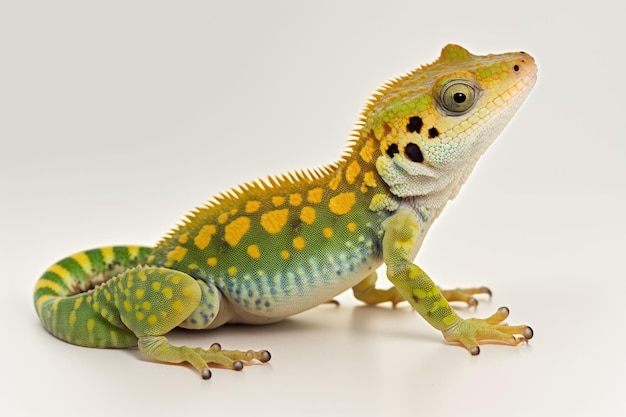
(274, 247)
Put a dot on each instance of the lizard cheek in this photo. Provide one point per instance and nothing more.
(413, 152)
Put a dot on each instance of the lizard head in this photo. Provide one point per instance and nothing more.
(433, 124)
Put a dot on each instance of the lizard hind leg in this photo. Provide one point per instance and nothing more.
(161, 299)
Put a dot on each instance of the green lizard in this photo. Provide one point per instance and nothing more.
(272, 248)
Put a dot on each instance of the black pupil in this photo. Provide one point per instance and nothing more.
(459, 98)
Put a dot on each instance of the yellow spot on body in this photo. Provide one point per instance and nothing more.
(232, 270)
(222, 218)
(175, 255)
(328, 232)
(234, 231)
(127, 306)
(334, 183)
(342, 203)
(175, 279)
(156, 286)
(352, 172)
(192, 266)
(299, 243)
(253, 206)
(177, 305)
(78, 302)
(139, 315)
(189, 290)
(90, 325)
(211, 261)
(107, 295)
(96, 306)
(314, 196)
(273, 221)
(146, 305)
(142, 276)
(351, 226)
(368, 150)
(278, 200)
(284, 254)
(307, 215)
(203, 238)
(182, 239)
(152, 319)
(369, 179)
(72, 318)
(83, 261)
(295, 199)
(139, 292)
(167, 292)
(254, 252)
(233, 212)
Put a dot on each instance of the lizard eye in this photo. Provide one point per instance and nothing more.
(457, 97)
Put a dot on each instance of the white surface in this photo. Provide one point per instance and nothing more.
(118, 117)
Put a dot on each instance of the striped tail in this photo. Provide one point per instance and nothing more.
(69, 308)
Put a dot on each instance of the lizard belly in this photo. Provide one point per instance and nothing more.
(266, 296)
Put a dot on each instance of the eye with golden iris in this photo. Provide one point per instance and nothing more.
(457, 96)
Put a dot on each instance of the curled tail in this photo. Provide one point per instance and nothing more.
(70, 309)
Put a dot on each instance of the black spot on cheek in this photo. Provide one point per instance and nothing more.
(433, 132)
(414, 152)
(392, 150)
(415, 124)
(515, 68)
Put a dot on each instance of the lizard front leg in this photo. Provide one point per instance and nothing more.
(401, 232)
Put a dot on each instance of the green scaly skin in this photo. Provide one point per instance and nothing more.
(269, 249)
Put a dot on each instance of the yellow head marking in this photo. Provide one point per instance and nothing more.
(127, 306)
(167, 292)
(284, 254)
(152, 319)
(234, 231)
(253, 206)
(156, 286)
(211, 261)
(352, 172)
(307, 215)
(351, 226)
(299, 243)
(139, 293)
(204, 236)
(369, 179)
(254, 252)
(328, 232)
(232, 271)
(274, 221)
(295, 199)
(342, 203)
(146, 305)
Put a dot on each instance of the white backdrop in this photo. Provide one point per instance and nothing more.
(118, 117)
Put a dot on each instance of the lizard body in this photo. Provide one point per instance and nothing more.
(272, 248)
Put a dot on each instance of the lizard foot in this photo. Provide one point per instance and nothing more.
(465, 295)
(469, 332)
(158, 347)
